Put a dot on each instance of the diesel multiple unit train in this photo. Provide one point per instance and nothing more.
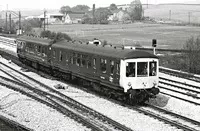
(125, 74)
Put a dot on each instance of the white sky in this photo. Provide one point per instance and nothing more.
(56, 4)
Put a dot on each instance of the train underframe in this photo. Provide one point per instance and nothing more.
(132, 96)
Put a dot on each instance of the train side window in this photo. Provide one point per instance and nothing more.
(103, 65)
(43, 51)
(54, 54)
(89, 64)
(142, 69)
(60, 56)
(74, 58)
(130, 69)
(118, 67)
(39, 48)
(83, 63)
(71, 59)
(152, 68)
(67, 59)
(112, 67)
(94, 63)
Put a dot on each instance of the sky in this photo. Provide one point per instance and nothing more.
(56, 4)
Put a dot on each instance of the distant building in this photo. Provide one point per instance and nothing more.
(123, 7)
(117, 15)
(74, 17)
(56, 18)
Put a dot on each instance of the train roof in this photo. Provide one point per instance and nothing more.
(106, 51)
(42, 41)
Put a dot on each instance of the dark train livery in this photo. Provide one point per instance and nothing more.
(122, 73)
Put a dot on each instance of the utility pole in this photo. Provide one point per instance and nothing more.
(6, 20)
(147, 4)
(93, 10)
(44, 19)
(170, 13)
(10, 26)
(20, 31)
(189, 13)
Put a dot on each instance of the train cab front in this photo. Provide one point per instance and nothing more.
(140, 79)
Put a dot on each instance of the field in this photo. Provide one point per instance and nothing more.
(182, 13)
(168, 36)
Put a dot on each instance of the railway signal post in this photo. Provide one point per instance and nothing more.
(154, 44)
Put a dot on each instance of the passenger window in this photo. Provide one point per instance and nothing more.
(83, 62)
(130, 69)
(71, 59)
(67, 58)
(112, 67)
(152, 68)
(94, 63)
(103, 65)
(39, 48)
(60, 56)
(118, 67)
(142, 69)
(43, 51)
(54, 54)
(78, 61)
(88, 64)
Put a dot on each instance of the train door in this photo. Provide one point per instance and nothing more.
(153, 73)
(142, 80)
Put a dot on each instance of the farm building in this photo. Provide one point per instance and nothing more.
(118, 15)
(52, 18)
(73, 17)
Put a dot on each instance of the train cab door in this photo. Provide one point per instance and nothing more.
(142, 81)
(153, 73)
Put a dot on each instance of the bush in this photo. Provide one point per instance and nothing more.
(55, 36)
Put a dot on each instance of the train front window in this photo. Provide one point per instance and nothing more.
(142, 69)
(152, 68)
(130, 69)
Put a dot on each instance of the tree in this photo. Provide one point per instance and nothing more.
(101, 14)
(192, 56)
(113, 6)
(126, 17)
(135, 10)
(80, 8)
(65, 9)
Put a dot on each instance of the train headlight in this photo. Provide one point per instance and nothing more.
(154, 83)
(129, 84)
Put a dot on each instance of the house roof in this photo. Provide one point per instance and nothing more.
(50, 14)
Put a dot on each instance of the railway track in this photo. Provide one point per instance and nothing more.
(95, 120)
(180, 90)
(14, 125)
(8, 41)
(181, 74)
(154, 112)
(173, 118)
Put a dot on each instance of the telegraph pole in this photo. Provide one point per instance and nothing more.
(6, 20)
(170, 13)
(44, 19)
(189, 13)
(20, 23)
(10, 26)
(147, 4)
(93, 10)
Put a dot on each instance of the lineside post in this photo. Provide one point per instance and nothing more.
(154, 44)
